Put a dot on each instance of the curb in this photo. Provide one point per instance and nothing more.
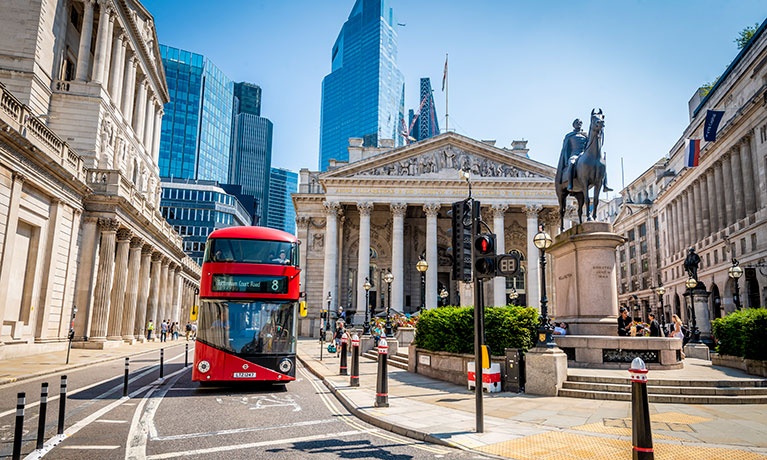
(9, 381)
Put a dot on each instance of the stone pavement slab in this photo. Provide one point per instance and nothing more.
(530, 427)
(31, 366)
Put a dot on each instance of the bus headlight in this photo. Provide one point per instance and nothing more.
(203, 366)
(285, 366)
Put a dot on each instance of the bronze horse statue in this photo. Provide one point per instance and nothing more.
(590, 171)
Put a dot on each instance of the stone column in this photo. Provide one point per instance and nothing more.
(139, 326)
(104, 277)
(154, 290)
(102, 42)
(749, 190)
(706, 217)
(532, 283)
(50, 265)
(363, 257)
(119, 284)
(432, 283)
(84, 49)
(729, 199)
(330, 283)
(156, 134)
(698, 212)
(686, 238)
(118, 67)
(499, 283)
(109, 50)
(721, 211)
(162, 300)
(174, 302)
(398, 211)
(711, 204)
(140, 109)
(674, 237)
(131, 290)
(737, 182)
(129, 89)
(302, 233)
(679, 224)
(756, 169)
(146, 138)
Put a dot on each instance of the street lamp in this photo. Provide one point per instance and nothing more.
(660, 290)
(388, 277)
(514, 296)
(443, 294)
(366, 325)
(735, 273)
(422, 266)
(542, 241)
(691, 283)
(327, 313)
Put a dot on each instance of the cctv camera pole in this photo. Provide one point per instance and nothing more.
(479, 333)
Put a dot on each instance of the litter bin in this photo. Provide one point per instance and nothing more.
(515, 370)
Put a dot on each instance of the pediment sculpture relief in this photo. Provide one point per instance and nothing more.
(448, 158)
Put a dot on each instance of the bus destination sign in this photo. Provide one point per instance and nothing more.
(249, 284)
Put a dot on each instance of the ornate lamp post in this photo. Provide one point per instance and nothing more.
(388, 277)
(327, 322)
(514, 296)
(660, 290)
(443, 294)
(691, 283)
(735, 273)
(366, 325)
(422, 266)
(543, 241)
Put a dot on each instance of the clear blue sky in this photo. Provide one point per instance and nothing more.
(518, 70)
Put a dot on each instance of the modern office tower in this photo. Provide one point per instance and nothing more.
(281, 213)
(196, 127)
(364, 94)
(251, 154)
(425, 125)
(197, 207)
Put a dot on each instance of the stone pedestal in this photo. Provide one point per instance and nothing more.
(585, 283)
(697, 350)
(545, 371)
(702, 316)
(367, 343)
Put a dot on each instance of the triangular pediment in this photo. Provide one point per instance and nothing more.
(442, 157)
(627, 210)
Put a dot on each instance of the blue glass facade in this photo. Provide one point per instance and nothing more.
(364, 95)
(425, 125)
(282, 214)
(196, 127)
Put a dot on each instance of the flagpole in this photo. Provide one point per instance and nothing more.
(446, 91)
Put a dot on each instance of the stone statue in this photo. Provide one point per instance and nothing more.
(691, 263)
(581, 167)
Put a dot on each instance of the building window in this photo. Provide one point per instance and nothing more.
(643, 247)
(708, 259)
(716, 256)
(742, 246)
(623, 271)
(633, 270)
(642, 231)
(631, 235)
(632, 251)
(645, 265)
(623, 255)
(753, 241)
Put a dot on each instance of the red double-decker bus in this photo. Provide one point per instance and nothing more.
(247, 316)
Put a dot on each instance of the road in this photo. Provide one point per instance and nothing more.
(179, 419)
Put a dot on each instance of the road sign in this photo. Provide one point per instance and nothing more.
(508, 264)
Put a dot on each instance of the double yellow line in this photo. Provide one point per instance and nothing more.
(354, 423)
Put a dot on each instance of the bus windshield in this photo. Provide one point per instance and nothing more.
(251, 251)
(245, 327)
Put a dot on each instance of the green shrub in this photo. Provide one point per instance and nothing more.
(451, 329)
(742, 333)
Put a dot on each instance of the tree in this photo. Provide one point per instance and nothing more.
(745, 35)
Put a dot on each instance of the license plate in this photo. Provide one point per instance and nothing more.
(244, 375)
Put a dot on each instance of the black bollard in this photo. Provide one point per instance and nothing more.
(62, 404)
(125, 377)
(641, 432)
(354, 379)
(21, 401)
(162, 361)
(382, 382)
(342, 365)
(186, 355)
(41, 418)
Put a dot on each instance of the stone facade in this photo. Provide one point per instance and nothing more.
(81, 95)
(389, 207)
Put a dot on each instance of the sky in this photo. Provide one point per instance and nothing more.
(517, 70)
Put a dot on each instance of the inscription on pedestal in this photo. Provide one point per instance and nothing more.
(601, 271)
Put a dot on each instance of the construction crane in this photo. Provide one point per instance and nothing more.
(407, 130)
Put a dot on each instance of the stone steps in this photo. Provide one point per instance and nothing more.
(399, 360)
(746, 391)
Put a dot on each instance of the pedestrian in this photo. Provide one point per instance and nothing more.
(678, 334)
(172, 330)
(376, 334)
(654, 326)
(560, 329)
(340, 330)
(163, 331)
(194, 331)
(188, 329)
(149, 329)
(624, 322)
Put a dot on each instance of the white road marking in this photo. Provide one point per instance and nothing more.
(256, 444)
(261, 401)
(241, 430)
(92, 447)
(111, 421)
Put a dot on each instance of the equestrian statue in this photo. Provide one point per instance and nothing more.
(582, 167)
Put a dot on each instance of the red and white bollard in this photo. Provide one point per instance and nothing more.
(382, 383)
(354, 379)
(342, 364)
(641, 432)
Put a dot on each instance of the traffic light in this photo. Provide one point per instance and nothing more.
(484, 255)
(462, 217)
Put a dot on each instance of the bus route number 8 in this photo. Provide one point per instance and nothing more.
(275, 285)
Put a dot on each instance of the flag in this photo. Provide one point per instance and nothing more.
(444, 75)
(692, 153)
(713, 117)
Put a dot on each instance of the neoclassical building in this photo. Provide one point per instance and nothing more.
(82, 90)
(388, 206)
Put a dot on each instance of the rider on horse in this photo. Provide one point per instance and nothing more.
(572, 148)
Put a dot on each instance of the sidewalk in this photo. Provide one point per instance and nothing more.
(31, 366)
(541, 428)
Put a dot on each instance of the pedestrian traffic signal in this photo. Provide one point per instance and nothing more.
(484, 255)
(462, 217)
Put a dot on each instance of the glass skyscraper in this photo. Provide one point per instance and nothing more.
(282, 214)
(364, 95)
(251, 155)
(196, 127)
(426, 124)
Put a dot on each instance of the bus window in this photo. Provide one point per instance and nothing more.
(251, 251)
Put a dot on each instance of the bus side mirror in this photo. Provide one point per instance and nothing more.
(302, 309)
